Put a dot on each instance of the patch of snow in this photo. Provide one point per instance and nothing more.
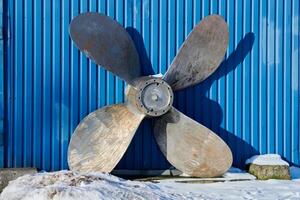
(233, 174)
(157, 75)
(271, 189)
(67, 185)
(238, 174)
(295, 173)
(267, 159)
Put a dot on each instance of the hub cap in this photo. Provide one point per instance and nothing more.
(155, 97)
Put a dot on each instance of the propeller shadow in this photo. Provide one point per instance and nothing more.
(139, 45)
(143, 152)
(240, 148)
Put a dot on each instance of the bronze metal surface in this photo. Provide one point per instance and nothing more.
(107, 43)
(200, 54)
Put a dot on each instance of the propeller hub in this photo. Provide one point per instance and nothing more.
(154, 97)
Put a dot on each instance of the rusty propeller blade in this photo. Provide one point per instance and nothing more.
(191, 147)
(107, 43)
(101, 138)
(200, 54)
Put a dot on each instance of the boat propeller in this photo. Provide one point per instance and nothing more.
(102, 137)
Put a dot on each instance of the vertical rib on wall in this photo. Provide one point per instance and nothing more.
(251, 101)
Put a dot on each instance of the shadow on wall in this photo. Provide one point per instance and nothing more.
(148, 153)
(143, 152)
(139, 45)
(241, 149)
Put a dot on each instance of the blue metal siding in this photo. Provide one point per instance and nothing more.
(251, 101)
(1, 86)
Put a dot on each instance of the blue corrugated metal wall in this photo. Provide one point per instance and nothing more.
(252, 101)
(1, 86)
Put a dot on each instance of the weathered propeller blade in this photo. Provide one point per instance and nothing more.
(106, 42)
(191, 147)
(200, 54)
(101, 138)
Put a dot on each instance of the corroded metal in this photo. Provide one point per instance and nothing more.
(200, 54)
(106, 42)
(191, 147)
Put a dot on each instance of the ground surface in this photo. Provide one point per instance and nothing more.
(69, 186)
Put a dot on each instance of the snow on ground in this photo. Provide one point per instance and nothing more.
(268, 190)
(236, 173)
(266, 159)
(65, 185)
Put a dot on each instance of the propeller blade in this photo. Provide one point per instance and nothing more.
(101, 138)
(107, 43)
(200, 54)
(191, 147)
